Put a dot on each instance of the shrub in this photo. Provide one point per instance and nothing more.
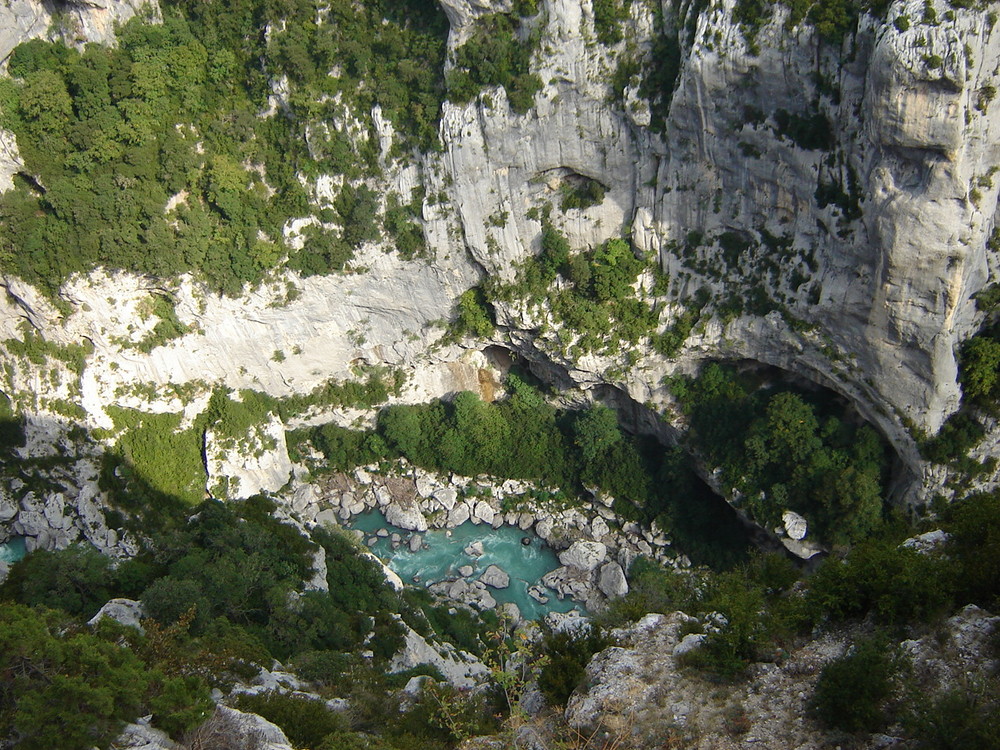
(783, 449)
(496, 56)
(852, 691)
(812, 131)
(896, 584)
(960, 433)
(608, 18)
(567, 656)
(73, 689)
(974, 524)
(652, 588)
(581, 193)
(305, 721)
(956, 719)
(77, 580)
(475, 316)
(728, 650)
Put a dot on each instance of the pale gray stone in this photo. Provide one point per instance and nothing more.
(126, 612)
(795, 525)
(584, 555)
(474, 549)
(495, 577)
(408, 518)
(611, 580)
(458, 515)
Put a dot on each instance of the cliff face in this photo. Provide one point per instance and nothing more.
(890, 275)
(867, 239)
(840, 195)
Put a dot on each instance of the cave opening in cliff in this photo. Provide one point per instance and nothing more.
(652, 480)
(787, 452)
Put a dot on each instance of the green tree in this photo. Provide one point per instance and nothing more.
(596, 432)
(77, 580)
(615, 269)
(66, 691)
(851, 691)
(980, 367)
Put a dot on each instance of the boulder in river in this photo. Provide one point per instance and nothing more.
(496, 577)
(584, 555)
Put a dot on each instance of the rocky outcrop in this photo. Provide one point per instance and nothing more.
(495, 577)
(461, 669)
(141, 736)
(233, 728)
(127, 612)
(56, 519)
(75, 22)
(584, 555)
(612, 581)
(408, 518)
(959, 654)
(637, 691)
(248, 464)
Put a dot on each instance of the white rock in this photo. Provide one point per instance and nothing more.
(495, 577)
(458, 515)
(538, 594)
(611, 581)
(426, 485)
(258, 462)
(599, 528)
(474, 549)
(246, 727)
(127, 612)
(584, 555)
(141, 736)
(688, 643)
(795, 525)
(543, 528)
(804, 549)
(461, 669)
(447, 496)
(408, 518)
(927, 542)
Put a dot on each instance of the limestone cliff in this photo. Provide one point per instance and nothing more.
(853, 257)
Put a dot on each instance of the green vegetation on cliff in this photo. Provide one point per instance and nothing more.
(152, 157)
(599, 308)
(498, 54)
(785, 450)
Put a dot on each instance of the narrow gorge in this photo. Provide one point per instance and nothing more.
(696, 300)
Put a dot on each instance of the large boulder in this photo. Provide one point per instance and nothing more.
(584, 555)
(483, 512)
(126, 612)
(795, 525)
(496, 577)
(611, 580)
(228, 727)
(461, 669)
(406, 517)
(141, 736)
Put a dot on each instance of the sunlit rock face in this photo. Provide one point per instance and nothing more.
(868, 239)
